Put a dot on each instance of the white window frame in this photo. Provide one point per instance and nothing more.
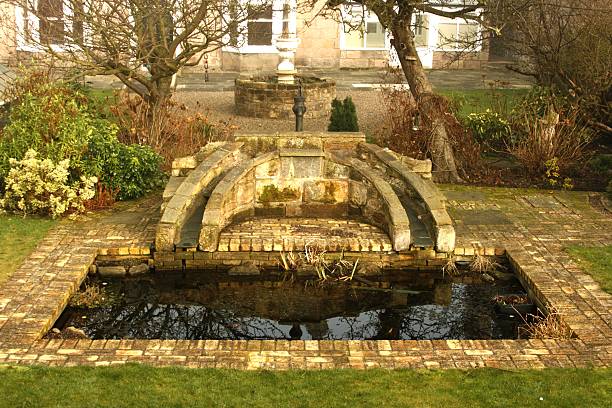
(435, 22)
(277, 29)
(23, 17)
(357, 13)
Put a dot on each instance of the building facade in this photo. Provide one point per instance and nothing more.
(353, 39)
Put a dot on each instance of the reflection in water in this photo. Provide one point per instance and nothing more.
(214, 307)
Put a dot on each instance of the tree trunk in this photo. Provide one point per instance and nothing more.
(157, 109)
(442, 156)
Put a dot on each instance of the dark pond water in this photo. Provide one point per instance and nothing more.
(404, 305)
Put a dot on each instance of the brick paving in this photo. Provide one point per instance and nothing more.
(533, 226)
(267, 234)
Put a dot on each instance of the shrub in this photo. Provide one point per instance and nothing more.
(60, 123)
(42, 186)
(128, 171)
(171, 129)
(547, 127)
(407, 131)
(343, 116)
(490, 129)
(53, 120)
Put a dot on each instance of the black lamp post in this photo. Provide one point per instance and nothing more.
(299, 109)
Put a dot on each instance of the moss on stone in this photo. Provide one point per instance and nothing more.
(271, 193)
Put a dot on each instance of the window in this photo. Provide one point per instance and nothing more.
(268, 19)
(455, 35)
(51, 23)
(259, 27)
(362, 30)
(420, 30)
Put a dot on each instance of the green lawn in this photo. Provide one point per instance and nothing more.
(18, 237)
(597, 262)
(142, 386)
(479, 100)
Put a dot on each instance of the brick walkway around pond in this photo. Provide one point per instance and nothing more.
(533, 226)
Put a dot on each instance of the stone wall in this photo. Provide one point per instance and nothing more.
(263, 99)
(307, 175)
(257, 143)
(361, 59)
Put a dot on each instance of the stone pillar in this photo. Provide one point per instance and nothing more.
(286, 45)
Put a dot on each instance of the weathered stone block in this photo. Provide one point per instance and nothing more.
(358, 193)
(326, 191)
(164, 237)
(445, 238)
(188, 162)
(301, 167)
(335, 170)
(209, 238)
(138, 269)
(111, 271)
(267, 169)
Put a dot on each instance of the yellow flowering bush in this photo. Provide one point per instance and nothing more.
(42, 186)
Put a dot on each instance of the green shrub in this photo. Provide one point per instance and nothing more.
(42, 186)
(129, 170)
(60, 123)
(343, 116)
(490, 129)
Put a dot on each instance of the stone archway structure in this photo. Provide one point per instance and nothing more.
(309, 175)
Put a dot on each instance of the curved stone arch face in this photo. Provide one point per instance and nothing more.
(412, 179)
(303, 182)
(191, 192)
(233, 197)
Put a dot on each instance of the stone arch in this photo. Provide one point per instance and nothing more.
(303, 182)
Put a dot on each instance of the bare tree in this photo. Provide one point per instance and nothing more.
(398, 17)
(565, 45)
(143, 43)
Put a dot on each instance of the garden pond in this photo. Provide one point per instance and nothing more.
(273, 305)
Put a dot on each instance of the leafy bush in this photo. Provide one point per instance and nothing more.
(343, 116)
(53, 120)
(130, 171)
(490, 129)
(42, 186)
(60, 123)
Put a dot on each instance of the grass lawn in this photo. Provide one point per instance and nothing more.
(479, 100)
(18, 237)
(142, 386)
(597, 262)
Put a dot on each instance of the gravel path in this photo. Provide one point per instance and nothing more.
(220, 106)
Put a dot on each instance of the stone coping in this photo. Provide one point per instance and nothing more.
(257, 143)
(191, 189)
(424, 189)
(262, 83)
(539, 228)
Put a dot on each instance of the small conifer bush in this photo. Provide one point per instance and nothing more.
(343, 116)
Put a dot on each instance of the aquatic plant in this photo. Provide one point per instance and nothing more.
(549, 326)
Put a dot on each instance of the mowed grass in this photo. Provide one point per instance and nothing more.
(597, 262)
(143, 386)
(479, 100)
(18, 237)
